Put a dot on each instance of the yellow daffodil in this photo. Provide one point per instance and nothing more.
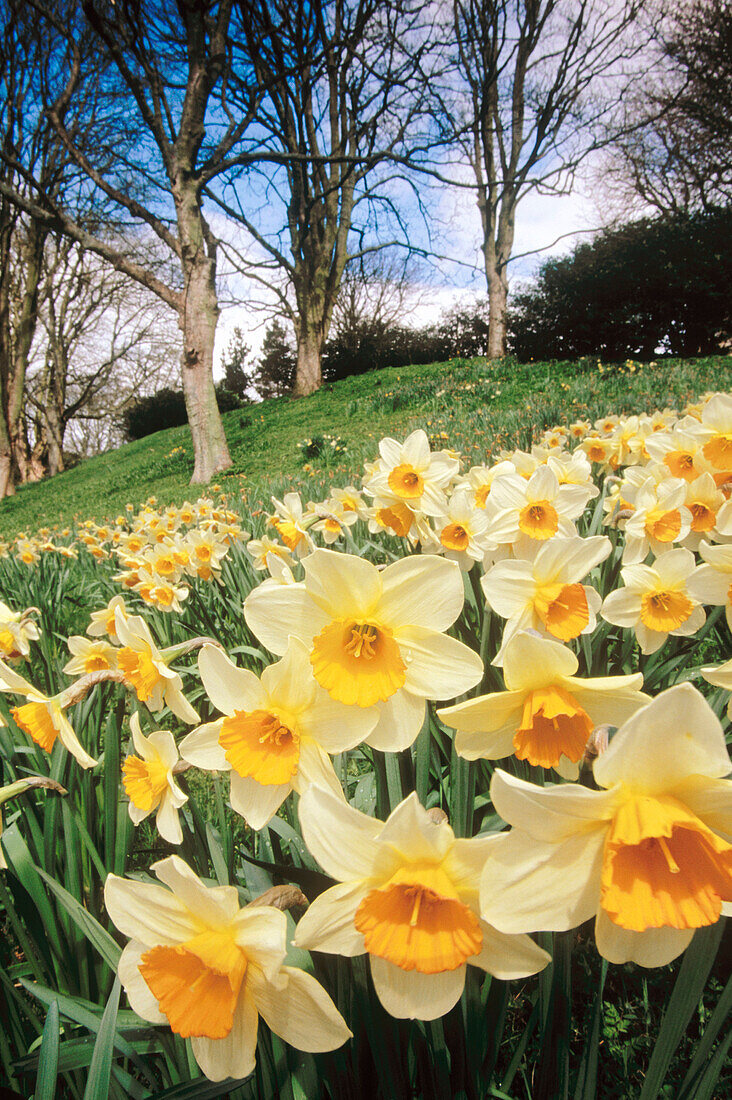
(407, 895)
(375, 638)
(643, 855)
(657, 600)
(545, 593)
(537, 509)
(104, 621)
(89, 655)
(17, 631)
(717, 432)
(410, 474)
(210, 969)
(547, 713)
(461, 534)
(145, 668)
(42, 716)
(277, 733)
(149, 784)
(660, 519)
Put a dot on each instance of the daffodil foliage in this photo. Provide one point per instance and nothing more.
(408, 792)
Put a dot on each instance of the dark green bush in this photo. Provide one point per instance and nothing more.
(167, 409)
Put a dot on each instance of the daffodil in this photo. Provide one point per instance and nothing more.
(209, 969)
(660, 519)
(412, 475)
(375, 638)
(657, 600)
(547, 713)
(645, 855)
(717, 432)
(149, 783)
(537, 509)
(42, 716)
(145, 668)
(277, 731)
(104, 621)
(545, 593)
(712, 581)
(461, 534)
(407, 895)
(17, 631)
(89, 655)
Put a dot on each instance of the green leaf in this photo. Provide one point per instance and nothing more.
(48, 1064)
(698, 961)
(586, 1087)
(100, 1070)
(82, 918)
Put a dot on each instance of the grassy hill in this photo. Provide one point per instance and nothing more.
(473, 405)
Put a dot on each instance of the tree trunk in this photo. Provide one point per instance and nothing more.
(54, 439)
(309, 374)
(211, 453)
(497, 302)
(198, 321)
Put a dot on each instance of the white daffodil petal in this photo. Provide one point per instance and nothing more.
(168, 822)
(438, 667)
(342, 584)
(335, 726)
(215, 904)
(676, 735)
(147, 912)
(327, 925)
(138, 992)
(410, 995)
(341, 839)
(261, 931)
(400, 720)
(300, 1011)
(315, 768)
(229, 688)
(70, 741)
(654, 947)
(530, 662)
(710, 800)
(273, 613)
(256, 802)
(549, 813)
(485, 713)
(421, 590)
(235, 1055)
(413, 834)
(509, 955)
(201, 747)
(528, 885)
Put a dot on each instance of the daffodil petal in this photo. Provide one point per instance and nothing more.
(414, 835)
(400, 719)
(235, 1055)
(261, 931)
(421, 590)
(299, 1011)
(710, 800)
(549, 813)
(654, 947)
(342, 585)
(256, 802)
(168, 822)
(438, 667)
(216, 904)
(341, 839)
(674, 736)
(147, 913)
(315, 768)
(528, 885)
(508, 955)
(530, 662)
(327, 925)
(229, 688)
(138, 992)
(201, 747)
(411, 995)
(273, 613)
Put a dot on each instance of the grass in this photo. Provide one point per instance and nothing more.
(473, 405)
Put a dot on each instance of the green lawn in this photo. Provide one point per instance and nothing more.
(479, 405)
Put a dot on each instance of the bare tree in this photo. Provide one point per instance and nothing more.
(340, 80)
(157, 134)
(674, 153)
(103, 341)
(539, 80)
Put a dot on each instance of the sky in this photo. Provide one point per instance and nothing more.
(541, 220)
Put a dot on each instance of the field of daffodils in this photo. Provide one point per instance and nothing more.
(414, 791)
